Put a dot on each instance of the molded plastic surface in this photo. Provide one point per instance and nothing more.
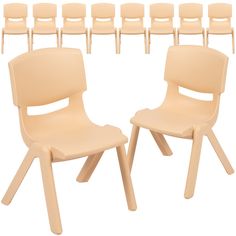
(199, 69)
(45, 76)
(15, 21)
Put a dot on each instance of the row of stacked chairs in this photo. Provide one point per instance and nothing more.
(103, 15)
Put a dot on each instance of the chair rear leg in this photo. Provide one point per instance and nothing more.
(125, 172)
(194, 163)
(161, 143)
(132, 145)
(220, 153)
(50, 192)
(146, 41)
(204, 38)
(32, 39)
(207, 38)
(17, 180)
(2, 49)
(89, 167)
(233, 43)
(58, 39)
(87, 40)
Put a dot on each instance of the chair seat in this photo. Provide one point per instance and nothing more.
(220, 29)
(69, 137)
(73, 30)
(73, 27)
(167, 122)
(191, 28)
(176, 117)
(162, 28)
(44, 28)
(132, 27)
(22, 30)
(85, 141)
(101, 27)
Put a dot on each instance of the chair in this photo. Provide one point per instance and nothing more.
(132, 15)
(44, 20)
(220, 21)
(198, 69)
(103, 21)
(161, 21)
(45, 76)
(15, 21)
(190, 20)
(74, 21)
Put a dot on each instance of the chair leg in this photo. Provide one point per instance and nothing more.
(132, 145)
(148, 41)
(87, 40)
(89, 167)
(220, 153)
(233, 46)
(17, 180)
(125, 172)
(116, 41)
(50, 192)
(194, 163)
(28, 40)
(32, 40)
(203, 38)
(174, 37)
(161, 143)
(207, 38)
(61, 39)
(177, 37)
(58, 41)
(145, 41)
(119, 34)
(2, 49)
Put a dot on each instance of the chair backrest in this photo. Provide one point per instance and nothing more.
(46, 75)
(220, 10)
(15, 10)
(132, 10)
(103, 10)
(196, 68)
(161, 10)
(73, 10)
(44, 10)
(190, 10)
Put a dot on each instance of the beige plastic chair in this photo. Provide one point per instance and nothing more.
(45, 76)
(161, 21)
(45, 20)
(132, 15)
(103, 15)
(74, 21)
(220, 21)
(198, 69)
(190, 20)
(15, 15)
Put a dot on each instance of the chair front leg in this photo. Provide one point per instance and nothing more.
(233, 43)
(28, 40)
(20, 175)
(50, 191)
(2, 49)
(58, 38)
(220, 153)
(89, 167)
(194, 163)
(125, 172)
(132, 145)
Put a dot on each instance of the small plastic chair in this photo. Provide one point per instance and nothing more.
(44, 20)
(74, 21)
(220, 21)
(103, 15)
(132, 15)
(15, 15)
(198, 69)
(161, 21)
(190, 20)
(45, 76)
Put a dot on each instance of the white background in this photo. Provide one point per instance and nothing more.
(118, 86)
